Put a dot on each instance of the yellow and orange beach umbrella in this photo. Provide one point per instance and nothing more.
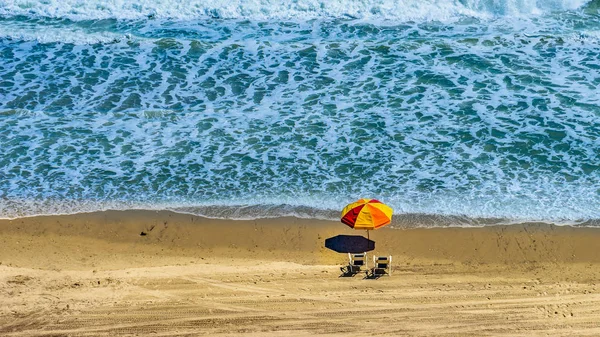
(367, 214)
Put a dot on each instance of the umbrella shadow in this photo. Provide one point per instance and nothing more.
(349, 244)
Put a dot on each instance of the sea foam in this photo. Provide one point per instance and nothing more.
(490, 116)
(282, 9)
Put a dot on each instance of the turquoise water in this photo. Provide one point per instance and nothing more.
(452, 112)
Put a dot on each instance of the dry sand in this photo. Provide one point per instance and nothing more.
(95, 275)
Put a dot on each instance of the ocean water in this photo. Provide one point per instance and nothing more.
(453, 112)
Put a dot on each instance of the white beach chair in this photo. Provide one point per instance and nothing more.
(382, 265)
(357, 262)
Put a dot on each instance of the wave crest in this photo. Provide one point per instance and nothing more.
(282, 9)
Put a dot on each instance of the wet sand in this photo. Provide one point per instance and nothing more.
(165, 274)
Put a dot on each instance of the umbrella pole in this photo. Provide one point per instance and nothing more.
(368, 234)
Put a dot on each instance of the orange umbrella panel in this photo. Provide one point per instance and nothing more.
(367, 214)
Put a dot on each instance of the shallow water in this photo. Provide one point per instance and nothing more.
(453, 110)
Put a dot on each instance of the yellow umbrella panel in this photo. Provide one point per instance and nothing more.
(367, 214)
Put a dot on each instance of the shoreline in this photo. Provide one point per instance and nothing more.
(124, 273)
(294, 239)
(284, 211)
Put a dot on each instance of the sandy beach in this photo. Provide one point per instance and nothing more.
(146, 273)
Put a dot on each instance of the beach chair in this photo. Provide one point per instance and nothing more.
(357, 262)
(382, 265)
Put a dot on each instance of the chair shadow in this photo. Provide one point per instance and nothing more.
(348, 272)
(374, 276)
